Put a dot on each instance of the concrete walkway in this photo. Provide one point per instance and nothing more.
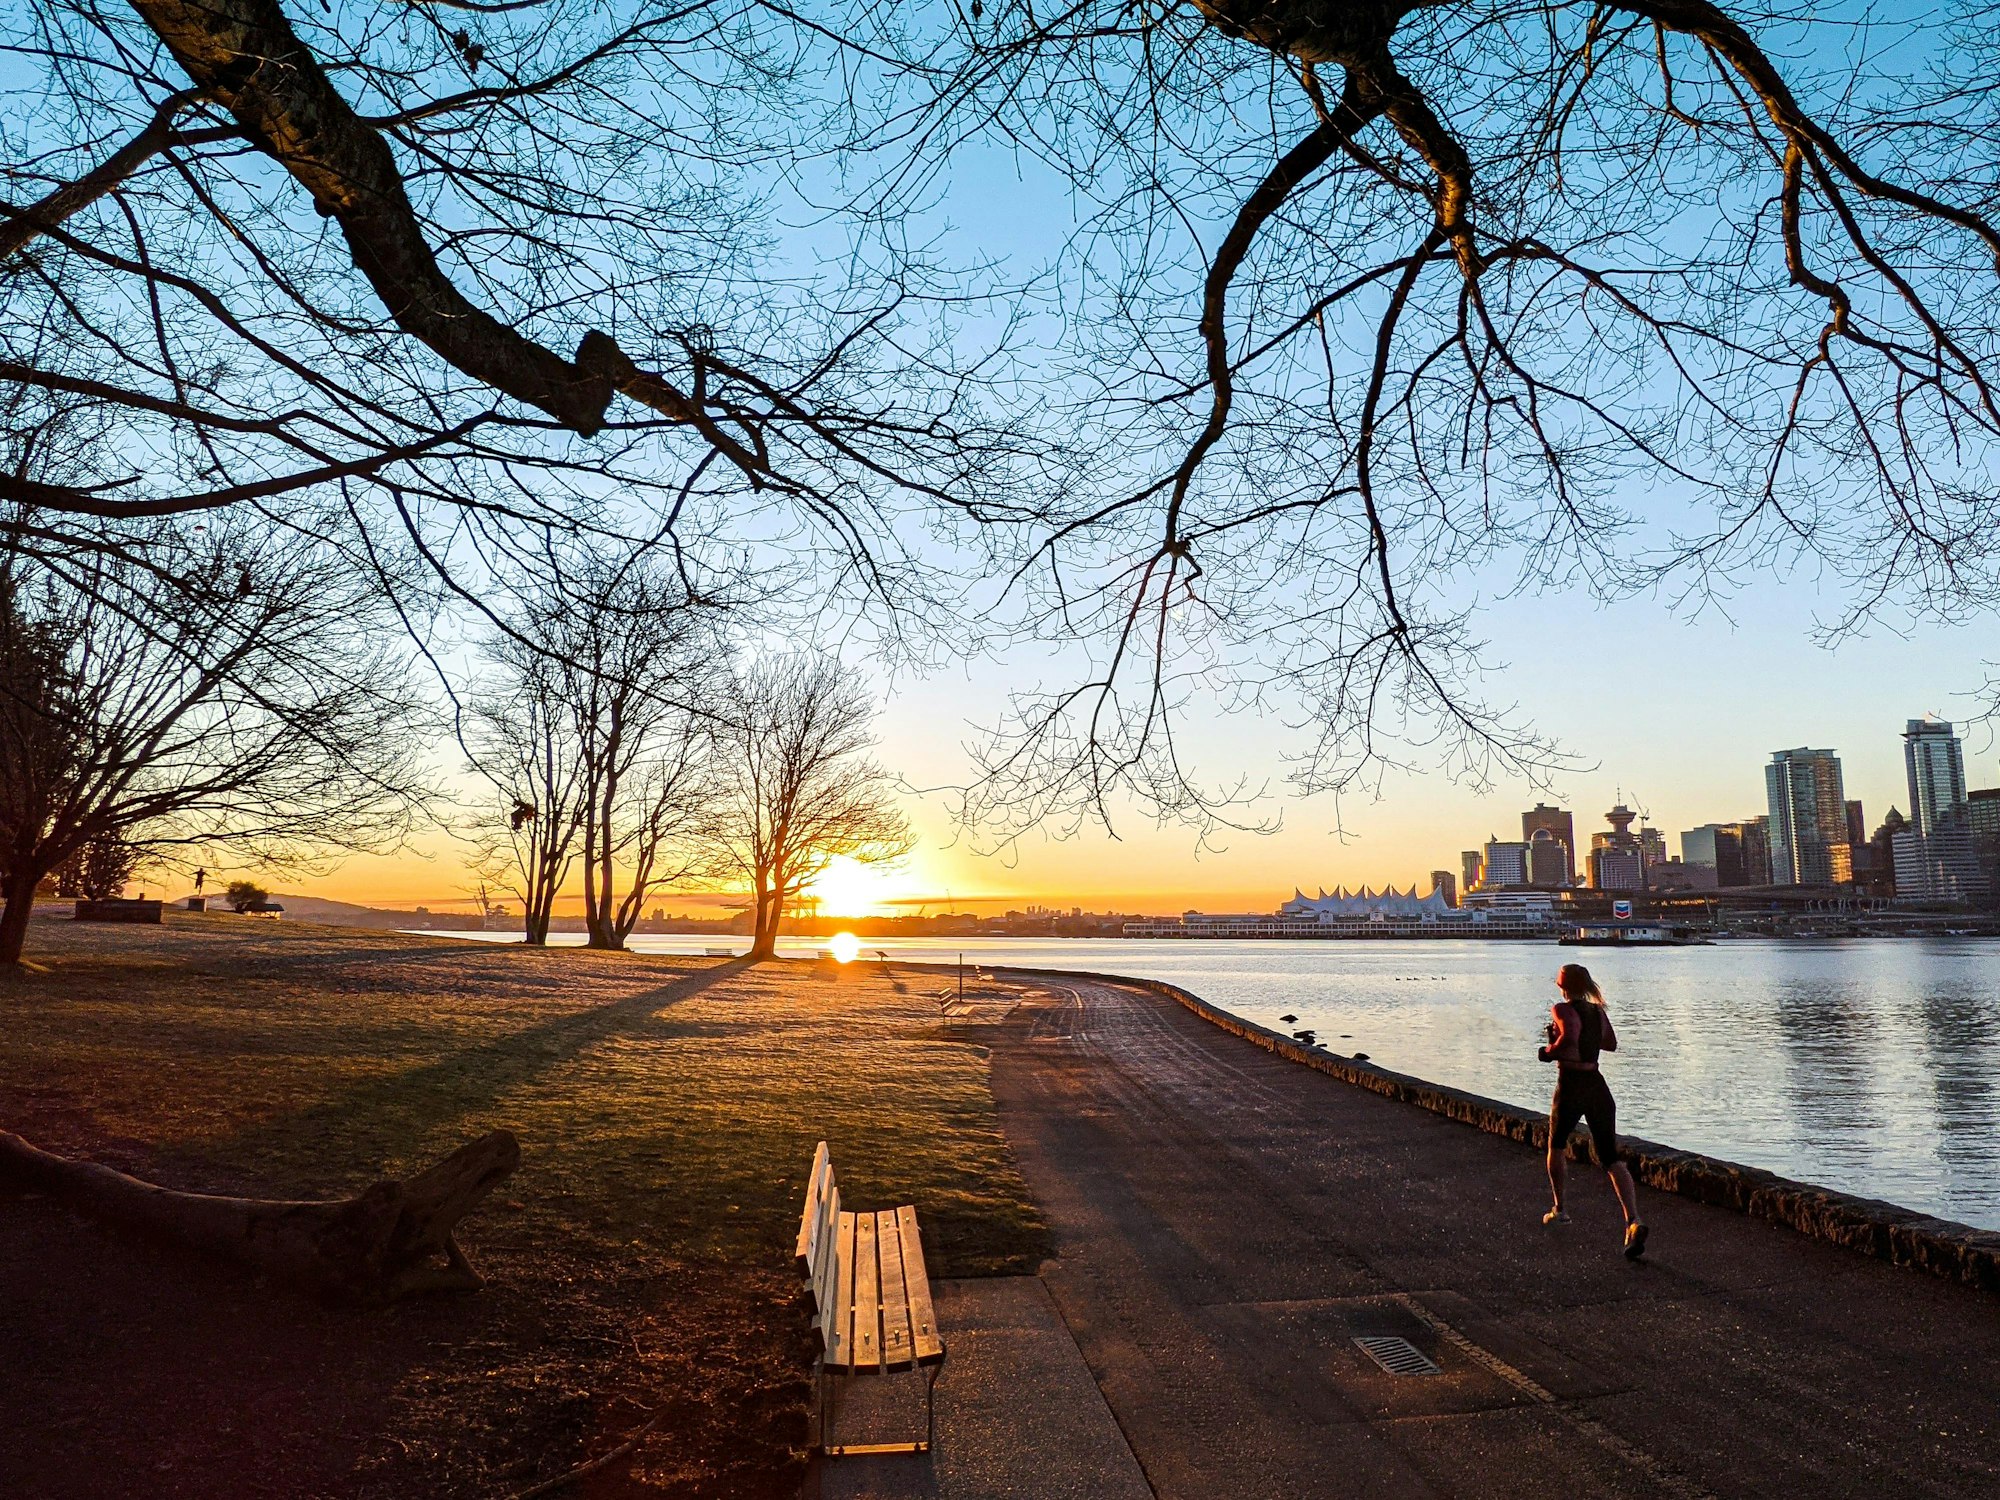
(1228, 1223)
(1018, 1415)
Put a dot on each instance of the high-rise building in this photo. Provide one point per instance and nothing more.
(1616, 869)
(1549, 860)
(1808, 815)
(1557, 823)
(1936, 856)
(1934, 762)
(1982, 820)
(1506, 863)
(1881, 870)
(1472, 870)
(1861, 863)
(1444, 884)
(1616, 862)
(1543, 822)
(1941, 866)
(1982, 813)
(1679, 875)
(1652, 845)
(1703, 845)
(1756, 835)
(1718, 846)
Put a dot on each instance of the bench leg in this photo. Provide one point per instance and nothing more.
(825, 1409)
(843, 1450)
(930, 1403)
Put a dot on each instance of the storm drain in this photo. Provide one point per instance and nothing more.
(1397, 1356)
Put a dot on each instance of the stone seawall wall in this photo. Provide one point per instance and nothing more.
(1941, 1247)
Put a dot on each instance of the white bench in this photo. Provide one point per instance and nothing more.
(871, 1300)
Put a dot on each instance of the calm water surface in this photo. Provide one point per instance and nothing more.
(1872, 1066)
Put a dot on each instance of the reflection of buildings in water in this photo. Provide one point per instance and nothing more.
(1832, 1045)
(1961, 1045)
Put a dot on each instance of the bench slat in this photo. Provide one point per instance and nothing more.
(823, 1245)
(865, 1273)
(898, 1348)
(923, 1318)
(813, 1222)
(867, 1352)
(819, 1263)
(839, 1311)
(824, 1285)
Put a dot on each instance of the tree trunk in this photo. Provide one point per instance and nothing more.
(537, 905)
(19, 890)
(764, 930)
(378, 1247)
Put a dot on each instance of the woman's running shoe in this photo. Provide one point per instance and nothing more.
(1555, 1216)
(1635, 1240)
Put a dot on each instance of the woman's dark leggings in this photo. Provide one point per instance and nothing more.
(1582, 1094)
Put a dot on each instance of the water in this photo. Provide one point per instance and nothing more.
(1867, 1065)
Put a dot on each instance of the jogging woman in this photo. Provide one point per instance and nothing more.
(1579, 1030)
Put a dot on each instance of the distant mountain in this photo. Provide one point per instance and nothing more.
(318, 909)
(347, 914)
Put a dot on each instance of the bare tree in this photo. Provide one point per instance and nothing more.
(798, 787)
(1380, 308)
(189, 691)
(591, 739)
(99, 870)
(477, 269)
(1376, 308)
(518, 738)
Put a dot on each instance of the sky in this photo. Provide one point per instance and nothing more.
(1676, 716)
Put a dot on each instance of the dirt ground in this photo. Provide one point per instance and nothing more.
(638, 1263)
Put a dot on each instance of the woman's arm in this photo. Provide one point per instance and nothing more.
(1608, 1039)
(1564, 1047)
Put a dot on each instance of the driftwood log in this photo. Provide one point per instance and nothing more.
(385, 1244)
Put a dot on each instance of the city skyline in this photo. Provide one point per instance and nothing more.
(1679, 714)
(860, 890)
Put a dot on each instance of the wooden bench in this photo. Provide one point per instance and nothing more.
(871, 1300)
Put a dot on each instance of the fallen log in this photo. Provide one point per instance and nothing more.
(380, 1246)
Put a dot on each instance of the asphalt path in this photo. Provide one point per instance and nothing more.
(1228, 1223)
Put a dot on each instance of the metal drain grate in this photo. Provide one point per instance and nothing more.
(1397, 1356)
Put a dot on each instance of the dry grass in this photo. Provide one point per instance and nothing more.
(667, 1111)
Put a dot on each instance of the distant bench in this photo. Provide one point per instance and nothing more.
(118, 910)
(871, 1299)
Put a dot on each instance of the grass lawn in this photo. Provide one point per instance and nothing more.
(667, 1110)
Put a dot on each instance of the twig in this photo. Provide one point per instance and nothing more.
(549, 1486)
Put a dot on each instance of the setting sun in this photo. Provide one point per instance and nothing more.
(848, 888)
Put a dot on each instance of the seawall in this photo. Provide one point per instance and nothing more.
(1956, 1252)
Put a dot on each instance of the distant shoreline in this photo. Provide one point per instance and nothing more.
(1987, 931)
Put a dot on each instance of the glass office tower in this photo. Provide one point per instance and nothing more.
(1808, 815)
(1937, 857)
(1934, 761)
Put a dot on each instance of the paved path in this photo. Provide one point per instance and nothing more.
(1018, 1416)
(1227, 1222)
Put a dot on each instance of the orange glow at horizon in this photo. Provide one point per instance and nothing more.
(848, 888)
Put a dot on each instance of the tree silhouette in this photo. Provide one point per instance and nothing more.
(179, 692)
(797, 789)
(591, 741)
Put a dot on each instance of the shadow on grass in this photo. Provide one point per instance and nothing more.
(391, 1116)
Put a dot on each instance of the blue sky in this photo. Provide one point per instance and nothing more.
(1680, 715)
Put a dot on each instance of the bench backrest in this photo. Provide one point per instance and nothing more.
(817, 1231)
